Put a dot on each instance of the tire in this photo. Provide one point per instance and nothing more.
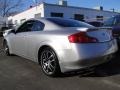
(6, 49)
(49, 62)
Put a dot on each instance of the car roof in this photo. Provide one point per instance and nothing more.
(48, 24)
(45, 18)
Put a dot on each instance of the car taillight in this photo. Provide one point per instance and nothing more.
(81, 37)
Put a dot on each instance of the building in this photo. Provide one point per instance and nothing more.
(61, 10)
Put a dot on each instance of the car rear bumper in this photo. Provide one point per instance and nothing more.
(81, 64)
(83, 56)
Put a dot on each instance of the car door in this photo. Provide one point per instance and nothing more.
(34, 38)
(21, 42)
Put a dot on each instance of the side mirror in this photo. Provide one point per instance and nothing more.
(6, 32)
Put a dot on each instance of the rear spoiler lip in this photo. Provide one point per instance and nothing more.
(99, 28)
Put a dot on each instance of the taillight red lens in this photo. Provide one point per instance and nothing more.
(81, 37)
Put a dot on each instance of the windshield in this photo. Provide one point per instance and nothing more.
(68, 23)
(109, 22)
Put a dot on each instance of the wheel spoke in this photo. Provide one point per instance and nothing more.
(52, 60)
(44, 56)
(51, 56)
(44, 66)
(44, 60)
(47, 69)
(47, 55)
(51, 66)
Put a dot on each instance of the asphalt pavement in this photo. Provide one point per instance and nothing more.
(17, 73)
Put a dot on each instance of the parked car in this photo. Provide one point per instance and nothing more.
(114, 23)
(95, 23)
(61, 45)
(2, 30)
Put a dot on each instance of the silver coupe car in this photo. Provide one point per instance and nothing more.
(60, 45)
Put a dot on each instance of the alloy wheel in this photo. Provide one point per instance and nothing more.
(6, 48)
(48, 62)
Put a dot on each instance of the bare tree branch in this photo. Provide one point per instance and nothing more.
(6, 6)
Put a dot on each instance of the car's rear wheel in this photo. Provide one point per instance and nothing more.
(6, 49)
(49, 62)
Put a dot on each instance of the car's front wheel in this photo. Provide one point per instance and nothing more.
(49, 62)
(6, 49)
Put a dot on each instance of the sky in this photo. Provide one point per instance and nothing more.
(107, 4)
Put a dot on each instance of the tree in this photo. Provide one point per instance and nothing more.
(9, 6)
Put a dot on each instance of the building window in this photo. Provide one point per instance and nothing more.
(53, 14)
(99, 18)
(37, 16)
(79, 17)
(22, 21)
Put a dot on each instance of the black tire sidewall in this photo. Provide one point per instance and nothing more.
(57, 67)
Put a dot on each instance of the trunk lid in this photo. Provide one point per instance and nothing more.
(101, 34)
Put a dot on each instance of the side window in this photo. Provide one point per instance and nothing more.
(38, 26)
(26, 27)
(109, 22)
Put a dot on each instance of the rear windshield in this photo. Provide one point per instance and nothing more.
(96, 24)
(68, 23)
